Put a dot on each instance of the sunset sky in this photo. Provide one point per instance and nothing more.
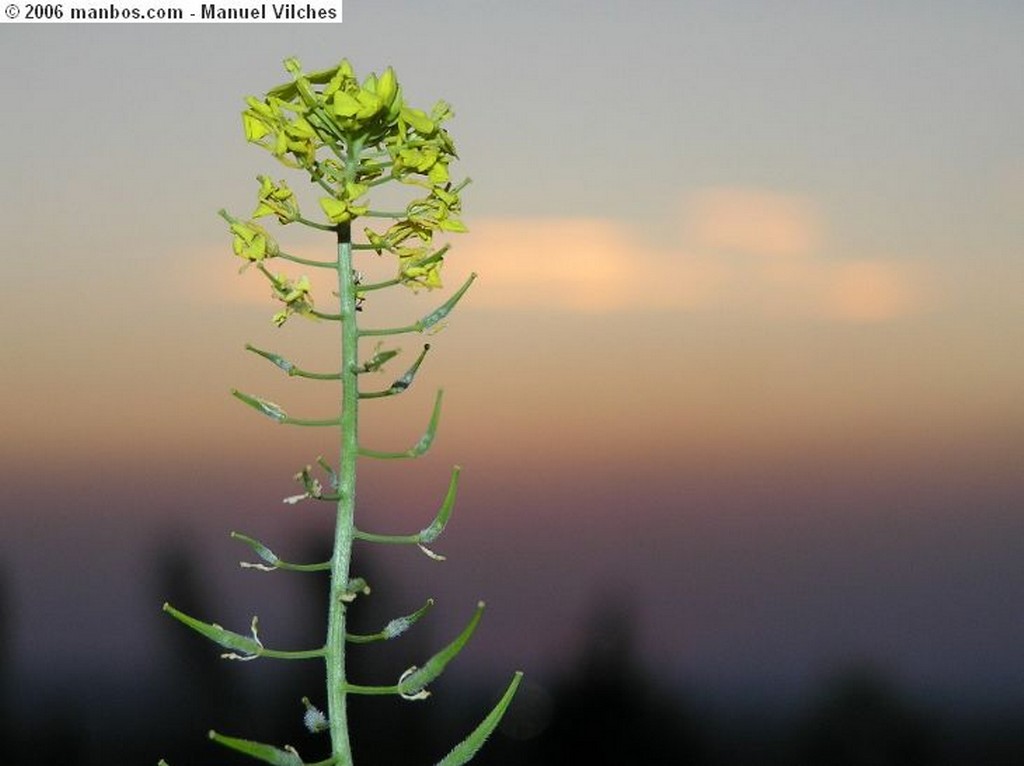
(743, 359)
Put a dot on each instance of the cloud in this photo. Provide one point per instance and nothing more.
(577, 264)
(738, 250)
(753, 222)
(872, 291)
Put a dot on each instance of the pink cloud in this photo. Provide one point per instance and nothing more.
(752, 222)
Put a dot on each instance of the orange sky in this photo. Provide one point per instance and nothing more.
(739, 326)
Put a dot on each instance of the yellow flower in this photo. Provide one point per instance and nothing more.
(251, 242)
(276, 200)
(342, 209)
(294, 294)
(415, 275)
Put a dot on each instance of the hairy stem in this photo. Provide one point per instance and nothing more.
(337, 684)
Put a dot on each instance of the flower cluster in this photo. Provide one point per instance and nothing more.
(350, 136)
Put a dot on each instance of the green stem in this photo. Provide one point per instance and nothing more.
(300, 373)
(379, 285)
(278, 654)
(307, 261)
(337, 684)
(375, 690)
(373, 537)
(322, 315)
(325, 423)
(317, 175)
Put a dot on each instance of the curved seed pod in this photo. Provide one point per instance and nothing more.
(420, 447)
(432, 532)
(465, 750)
(249, 646)
(271, 410)
(261, 752)
(412, 685)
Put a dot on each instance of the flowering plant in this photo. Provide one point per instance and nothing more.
(350, 136)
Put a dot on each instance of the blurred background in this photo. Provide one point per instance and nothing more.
(737, 395)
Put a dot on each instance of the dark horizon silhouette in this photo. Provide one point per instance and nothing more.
(603, 707)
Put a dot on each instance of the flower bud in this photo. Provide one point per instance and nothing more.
(387, 87)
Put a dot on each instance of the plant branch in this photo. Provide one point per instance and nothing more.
(419, 447)
(430, 319)
(307, 261)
